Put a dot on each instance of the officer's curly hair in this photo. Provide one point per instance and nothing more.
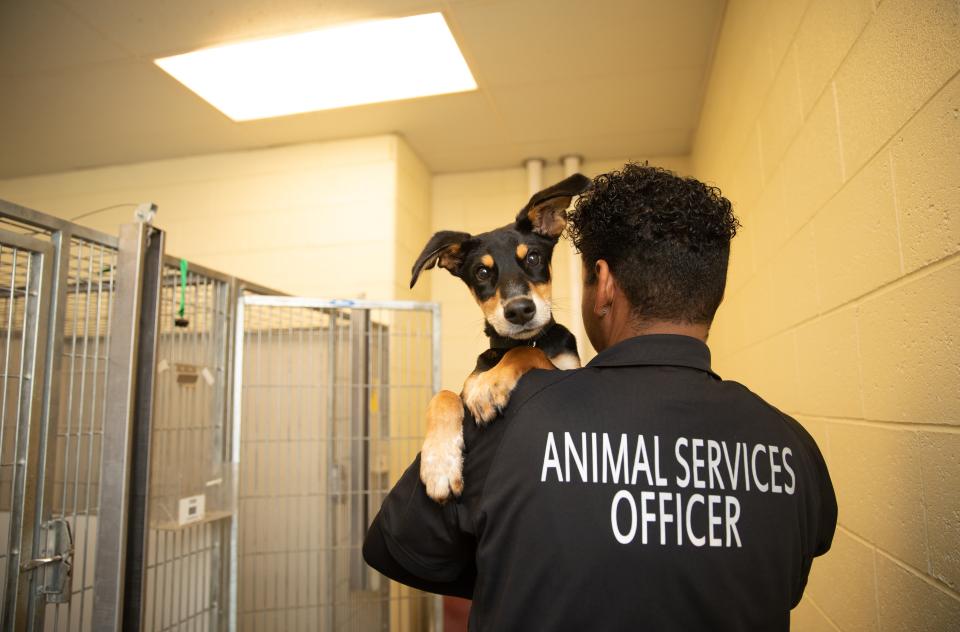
(666, 239)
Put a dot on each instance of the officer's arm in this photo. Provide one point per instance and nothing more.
(417, 542)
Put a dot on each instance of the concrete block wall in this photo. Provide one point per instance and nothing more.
(317, 219)
(834, 127)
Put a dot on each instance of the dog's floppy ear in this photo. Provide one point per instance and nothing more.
(545, 213)
(445, 247)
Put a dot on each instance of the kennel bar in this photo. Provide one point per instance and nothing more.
(124, 467)
(26, 273)
(70, 425)
(49, 224)
(329, 401)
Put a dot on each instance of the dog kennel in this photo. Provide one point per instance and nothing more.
(183, 450)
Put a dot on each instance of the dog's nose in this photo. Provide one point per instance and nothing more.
(519, 311)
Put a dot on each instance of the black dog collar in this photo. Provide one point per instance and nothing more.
(502, 343)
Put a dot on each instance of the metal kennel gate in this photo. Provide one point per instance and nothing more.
(56, 297)
(330, 401)
(93, 329)
(182, 450)
(186, 553)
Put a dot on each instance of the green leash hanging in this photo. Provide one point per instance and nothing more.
(181, 320)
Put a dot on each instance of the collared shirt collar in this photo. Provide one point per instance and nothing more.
(657, 350)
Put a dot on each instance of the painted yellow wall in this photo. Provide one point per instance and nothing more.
(412, 218)
(320, 219)
(479, 201)
(833, 126)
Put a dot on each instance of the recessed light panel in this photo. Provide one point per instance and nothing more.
(353, 64)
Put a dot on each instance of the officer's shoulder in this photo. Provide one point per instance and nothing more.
(771, 412)
(539, 382)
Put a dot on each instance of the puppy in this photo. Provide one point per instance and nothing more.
(508, 272)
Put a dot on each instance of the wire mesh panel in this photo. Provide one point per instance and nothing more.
(24, 296)
(190, 488)
(88, 301)
(333, 399)
(69, 389)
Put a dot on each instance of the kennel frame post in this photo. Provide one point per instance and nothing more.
(358, 440)
(124, 469)
(134, 603)
(235, 411)
(221, 596)
(60, 241)
(19, 584)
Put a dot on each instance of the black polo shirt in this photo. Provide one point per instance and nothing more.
(641, 492)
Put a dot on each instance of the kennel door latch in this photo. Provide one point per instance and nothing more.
(59, 555)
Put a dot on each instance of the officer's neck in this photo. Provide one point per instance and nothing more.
(622, 324)
(693, 330)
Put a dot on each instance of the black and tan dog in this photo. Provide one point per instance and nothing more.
(508, 273)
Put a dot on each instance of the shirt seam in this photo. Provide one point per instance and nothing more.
(496, 453)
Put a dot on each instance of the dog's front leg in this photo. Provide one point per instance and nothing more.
(487, 393)
(441, 459)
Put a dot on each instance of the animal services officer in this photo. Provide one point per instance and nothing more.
(642, 492)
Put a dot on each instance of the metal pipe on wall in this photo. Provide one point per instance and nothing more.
(534, 168)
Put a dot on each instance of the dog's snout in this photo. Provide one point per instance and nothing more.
(519, 311)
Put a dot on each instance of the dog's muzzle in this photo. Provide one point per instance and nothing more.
(519, 311)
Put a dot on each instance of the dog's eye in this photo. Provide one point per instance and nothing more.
(482, 273)
(533, 259)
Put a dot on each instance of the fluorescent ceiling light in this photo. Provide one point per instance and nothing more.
(367, 62)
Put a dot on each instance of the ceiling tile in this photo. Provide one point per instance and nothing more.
(522, 42)
(39, 35)
(655, 99)
(154, 29)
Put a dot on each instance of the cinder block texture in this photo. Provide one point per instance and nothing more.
(904, 55)
(854, 230)
(828, 30)
(909, 349)
(910, 602)
(781, 19)
(940, 462)
(811, 167)
(843, 585)
(796, 297)
(858, 248)
(781, 117)
(926, 163)
(876, 474)
(806, 618)
(829, 370)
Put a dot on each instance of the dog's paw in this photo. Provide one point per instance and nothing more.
(486, 395)
(441, 466)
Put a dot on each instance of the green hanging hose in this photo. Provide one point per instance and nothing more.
(181, 320)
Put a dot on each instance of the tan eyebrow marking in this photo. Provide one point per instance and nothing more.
(521, 251)
(487, 260)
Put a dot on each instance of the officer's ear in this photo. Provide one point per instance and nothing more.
(606, 286)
